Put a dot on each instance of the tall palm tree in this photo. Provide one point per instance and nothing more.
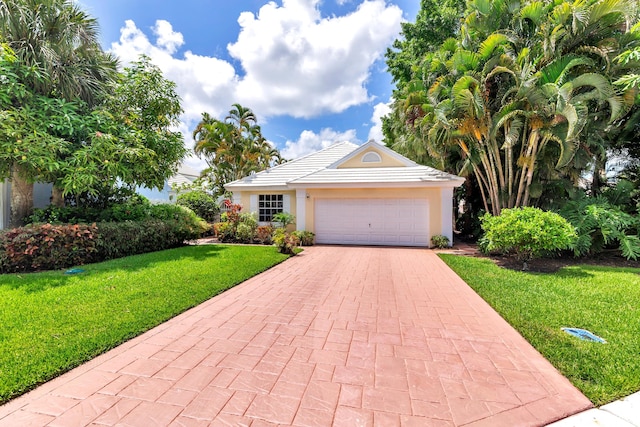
(233, 147)
(515, 93)
(60, 42)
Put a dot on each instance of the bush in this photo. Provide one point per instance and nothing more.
(526, 233)
(285, 242)
(599, 225)
(263, 234)
(283, 219)
(439, 241)
(245, 233)
(116, 240)
(63, 215)
(306, 237)
(190, 224)
(136, 208)
(46, 247)
(224, 231)
(202, 203)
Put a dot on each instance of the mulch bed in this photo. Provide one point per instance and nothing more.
(551, 265)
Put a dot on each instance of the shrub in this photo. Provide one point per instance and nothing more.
(46, 247)
(439, 241)
(526, 233)
(285, 242)
(245, 233)
(201, 202)
(116, 240)
(63, 215)
(306, 237)
(136, 208)
(191, 224)
(599, 225)
(283, 219)
(263, 234)
(224, 231)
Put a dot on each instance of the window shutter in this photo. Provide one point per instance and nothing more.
(253, 203)
(286, 203)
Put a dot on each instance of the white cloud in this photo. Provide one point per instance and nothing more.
(302, 65)
(310, 142)
(204, 83)
(381, 109)
(168, 39)
(295, 63)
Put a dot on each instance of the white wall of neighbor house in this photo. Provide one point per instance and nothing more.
(41, 199)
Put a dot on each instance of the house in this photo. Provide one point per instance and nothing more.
(185, 175)
(349, 194)
(41, 199)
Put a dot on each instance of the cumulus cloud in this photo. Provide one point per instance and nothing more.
(310, 141)
(294, 63)
(300, 64)
(204, 83)
(381, 109)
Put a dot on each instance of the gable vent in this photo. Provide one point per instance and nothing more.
(371, 157)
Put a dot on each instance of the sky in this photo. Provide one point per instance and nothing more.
(313, 71)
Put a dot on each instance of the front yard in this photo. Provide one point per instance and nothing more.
(603, 300)
(52, 322)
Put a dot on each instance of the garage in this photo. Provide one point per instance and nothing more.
(393, 222)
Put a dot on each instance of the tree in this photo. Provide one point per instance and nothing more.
(131, 141)
(233, 147)
(436, 21)
(58, 44)
(515, 99)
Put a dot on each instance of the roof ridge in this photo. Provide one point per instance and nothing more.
(289, 162)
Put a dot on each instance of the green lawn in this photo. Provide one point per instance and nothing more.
(51, 322)
(604, 300)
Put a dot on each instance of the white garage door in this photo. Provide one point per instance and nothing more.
(401, 222)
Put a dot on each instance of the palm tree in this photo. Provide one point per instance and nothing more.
(514, 94)
(234, 147)
(59, 42)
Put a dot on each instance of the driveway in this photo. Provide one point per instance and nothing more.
(345, 336)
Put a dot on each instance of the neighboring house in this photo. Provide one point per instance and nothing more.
(185, 175)
(41, 199)
(349, 194)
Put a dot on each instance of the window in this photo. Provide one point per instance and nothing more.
(371, 157)
(269, 205)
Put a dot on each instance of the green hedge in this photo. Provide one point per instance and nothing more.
(51, 246)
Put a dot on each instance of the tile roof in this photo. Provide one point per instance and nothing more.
(317, 170)
(411, 174)
(280, 175)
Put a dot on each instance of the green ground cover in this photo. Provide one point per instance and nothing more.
(52, 322)
(603, 300)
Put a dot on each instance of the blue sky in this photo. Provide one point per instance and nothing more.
(313, 71)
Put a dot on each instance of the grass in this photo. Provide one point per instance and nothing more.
(52, 322)
(604, 300)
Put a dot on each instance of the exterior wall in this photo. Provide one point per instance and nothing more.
(433, 194)
(157, 196)
(5, 203)
(387, 161)
(244, 199)
(41, 199)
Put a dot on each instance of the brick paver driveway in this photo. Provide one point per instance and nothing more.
(345, 336)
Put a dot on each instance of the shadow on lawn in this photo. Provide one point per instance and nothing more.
(44, 280)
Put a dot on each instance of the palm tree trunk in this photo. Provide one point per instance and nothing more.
(21, 197)
(527, 168)
(482, 183)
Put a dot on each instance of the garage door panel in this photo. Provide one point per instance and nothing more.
(401, 222)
